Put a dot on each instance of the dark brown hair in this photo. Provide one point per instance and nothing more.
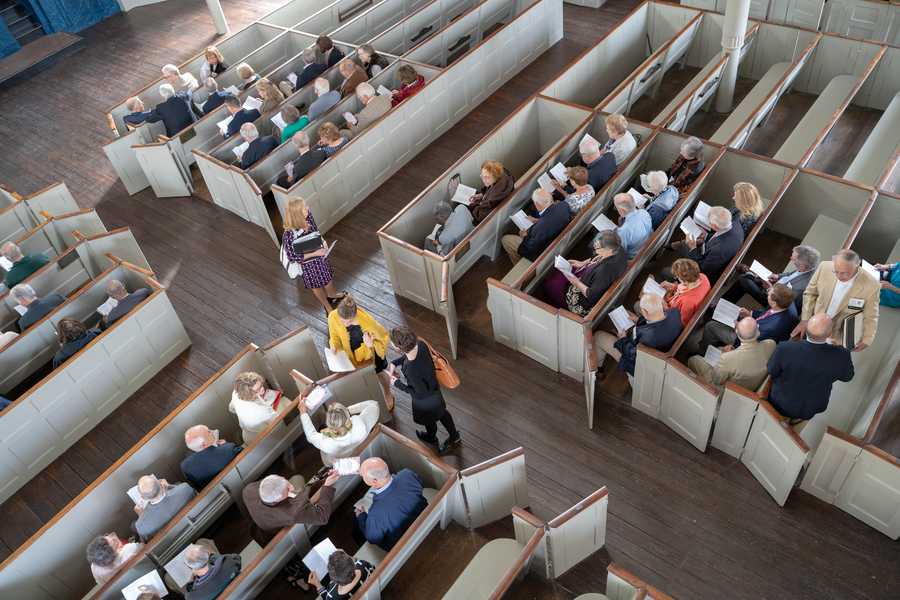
(782, 295)
(70, 330)
(404, 339)
(347, 307)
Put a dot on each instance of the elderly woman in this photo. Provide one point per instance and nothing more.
(330, 139)
(346, 576)
(316, 270)
(213, 64)
(73, 336)
(345, 428)
(748, 205)
(106, 553)
(662, 196)
(688, 294)
(180, 81)
(254, 404)
(410, 83)
(498, 186)
(269, 94)
(371, 61)
(688, 166)
(294, 120)
(621, 143)
(582, 191)
(580, 290)
(248, 76)
(454, 225)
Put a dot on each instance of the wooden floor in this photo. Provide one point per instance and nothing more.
(695, 525)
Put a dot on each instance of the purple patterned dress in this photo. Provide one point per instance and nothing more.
(316, 271)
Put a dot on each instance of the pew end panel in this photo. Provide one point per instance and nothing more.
(491, 488)
(830, 465)
(774, 453)
(55, 199)
(295, 351)
(688, 404)
(96, 251)
(870, 492)
(293, 14)
(577, 533)
(733, 421)
(649, 374)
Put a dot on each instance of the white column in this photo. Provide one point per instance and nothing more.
(736, 12)
(218, 16)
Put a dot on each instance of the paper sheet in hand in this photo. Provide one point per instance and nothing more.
(602, 223)
(690, 229)
(463, 194)
(639, 199)
(223, 125)
(701, 214)
(559, 172)
(135, 496)
(152, 580)
(521, 220)
(365, 501)
(105, 308)
(589, 137)
(22, 309)
(562, 264)
(232, 89)
(289, 169)
(620, 319)
(292, 77)
(279, 121)
(317, 558)
(338, 362)
(645, 183)
(347, 466)
(5, 263)
(317, 398)
(383, 91)
(239, 150)
(726, 312)
(349, 118)
(546, 183)
(713, 356)
(252, 103)
(760, 270)
(434, 233)
(871, 270)
(652, 287)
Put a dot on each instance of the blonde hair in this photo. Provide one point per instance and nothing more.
(245, 71)
(215, 52)
(337, 420)
(747, 200)
(295, 214)
(244, 384)
(617, 123)
(494, 168)
(272, 93)
(329, 132)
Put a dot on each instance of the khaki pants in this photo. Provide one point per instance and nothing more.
(511, 245)
(603, 345)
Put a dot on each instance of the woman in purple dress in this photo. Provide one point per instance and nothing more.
(317, 275)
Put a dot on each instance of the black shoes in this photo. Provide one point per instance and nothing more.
(431, 441)
(450, 444)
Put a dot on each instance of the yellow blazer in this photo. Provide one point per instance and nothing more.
(817, 297)
(339, 337)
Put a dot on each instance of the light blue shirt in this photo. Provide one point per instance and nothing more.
(634, 231)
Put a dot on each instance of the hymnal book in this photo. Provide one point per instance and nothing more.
(701, 215)
(239, 150)
(135, 496)
(223, 125)
(232, 89)
(292, 77)
(317, 558)
(151, 582)
(639, 199)
(602, 223)
(279, 121)
(871, 270)
(5, 263)
(289, 169)
(852, 331)
(645, 183)
(434, 233)
(308, 243)
(559, 172)
(760, 270)
(621, 319)
(521, 220)
(589, 137)
(546, 183)
(726, 312)
(347, 466)
(562, 264)
(252, 103)
(691, 229)
(22, 309)
(713, 356)
(178, 569)
(338, 362)
(383, 91)
(317, 398)
(272, 397)
(349, 118)
(463, 194)
(652, 287)
(105, 308)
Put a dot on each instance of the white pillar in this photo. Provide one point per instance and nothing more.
(218, 16)
(736, 13)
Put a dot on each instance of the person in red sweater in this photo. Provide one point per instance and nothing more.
(410, 84)
(688, 294)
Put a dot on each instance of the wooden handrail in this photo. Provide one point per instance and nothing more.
(890, 396)
(484, 466)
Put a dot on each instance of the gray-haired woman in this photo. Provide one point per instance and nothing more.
(688, 166)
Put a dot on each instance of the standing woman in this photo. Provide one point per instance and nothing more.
(428, 406)
(213, 65)
(355, 332)
(317, 274)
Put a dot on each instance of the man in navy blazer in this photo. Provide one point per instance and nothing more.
(311, 69)
(722, 243)
(259, 146)
(396, 502)
(214, 98)
(36, 308)
(804, 371)
(209, 455)
(125, 302)
(804, 260)
(175, 111)
(551, 220)
(239, 115)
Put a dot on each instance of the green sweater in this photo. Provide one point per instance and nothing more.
(293, 128)
(24, 268)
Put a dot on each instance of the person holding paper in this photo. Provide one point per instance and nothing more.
(688, 166)
(345, 428)
(714, 252)
(214, 98)
(311, 69)
(552, 219)
(355, 332)
(411, 83)
(175, 111)
(275, 503)
(293, 121)
(329, 54)
(269, 94)
(23, 265)
(254, 404)
(635, 226)
(581, 289)
(745, 365)
(620, 143)
(498, 186)
(259, 146)
(453, 225)
(748, 205)
(374, 107)
(125, 302)
(690, 291)
(581, 192)
(37, 308)
(159, 502)
(330, 139)
(353, 75)
(210, 573)
(397, 501)
(371, 61)
(803, 263)
(346, 576)
(209, 455)
(317, 273)
(890, 284)
(774, 323)
(662, 197)
(138, 114)
(107, 553)
(73, 335)
(239, 115)
(213, 64)
(247, 75)
(601, 166)
(308, 159)
(325, 100)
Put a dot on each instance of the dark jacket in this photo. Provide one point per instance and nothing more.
(422, 385)
(214, 101)
(747, 223)
(175, 113)
(659, 335)
(602, 276)
(492, 196)
(777, 326)
(223, 569)
(257, 149)
(377, 61)
(269, 520)
(309, 73)
(802, 376)
(199, 468)
(241, 117)
(24, 268)
(393, 510)
(136, 118)
(302, 166)
(39, 309)
(548, 226)
(125, 306)
(70, 348)
(334, 55)
(717, 251)
(601, 171)
(683, 172)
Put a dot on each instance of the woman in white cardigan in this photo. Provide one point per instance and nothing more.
(254, 404)
(345, 428)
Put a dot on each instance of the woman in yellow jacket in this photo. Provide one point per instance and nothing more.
(354, 331)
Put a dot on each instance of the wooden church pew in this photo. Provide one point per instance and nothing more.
(870, 162)
(415, 29)
(24, 213)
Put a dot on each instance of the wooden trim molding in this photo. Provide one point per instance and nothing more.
(505, 457)
(578, 508)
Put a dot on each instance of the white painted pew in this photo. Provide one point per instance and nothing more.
(415, 29)
(863, 19)
(774, 453)
(577, 533)
(800, 13)
(21, 214)
(624, 585)
(375, 20)
(293, 14)
(751, 102)
(878, 149)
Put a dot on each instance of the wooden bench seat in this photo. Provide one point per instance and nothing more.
(750, 102)
(878, 148)
(517, 271)
(485, 571)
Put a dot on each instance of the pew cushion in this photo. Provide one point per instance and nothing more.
(878, 148)
(375, 554)
(486, 569)
(517, 271)
(750, 102)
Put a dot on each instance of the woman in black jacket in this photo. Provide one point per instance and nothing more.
(422, 385)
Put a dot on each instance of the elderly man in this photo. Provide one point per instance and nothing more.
(551, 220)
(125, 302)
(455, 224)
(635, 227)
(374, 106)
(23, 265)
(309, 159)
(600, 166)
(396, 501)
(210, 573)
(214, 97)
(259, 146)
(719, 246)
(353, 75)
(106, 553)
(239, 115)
(275, 503)
(803, 371)
(209, 455)
(311, 69)
(160, 501)
(804, 260)
(36, 308)
(840, 289)
(325, 100)
(138, 114)
(174, 111)
(744, 365)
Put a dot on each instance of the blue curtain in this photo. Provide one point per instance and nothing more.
(8, 43)
(72, 15)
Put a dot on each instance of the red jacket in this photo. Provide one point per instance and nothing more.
(407, 90)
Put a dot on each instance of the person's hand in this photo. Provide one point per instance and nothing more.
(557, 184)
(799, 330)
(332, 478)
(766, 285)
(742, 268)
(390, 369)
(138, 509)
(881, 267)
(667, 285)
(301, 406)
(860, 347)
(727, 348)
(394, 377)
(773, 278)
(523, 233)
(221, 443)
(316, 254)
(632, 316)
(571, 277)
(621, 334)
(532, 219)
(690, 242)
(743, 313)
(887, 285)
(368, 340)
(313, 580)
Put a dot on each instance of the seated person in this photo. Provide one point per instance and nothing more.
(309, 159)
(182, 82)
(552, 219)
(247, 75)
(370, 60)
(775, 323)
(748, 205)
(601, 166)
(581, 192)
(580, 290)
(620, 143)
(311, 69)
(455, 224)
(345, 428)
(295, 122)
(346, 576)
(126, 302)
(213, 65)
(239, 115)
(635, 225)
(713, 251)
(657, 327)
(690, 291)
(397, 501)
(688, 166)
(175, 111)
(804, 260)
(744, 365)
(160, 502)
(330, 139)
(410, 84)
(210, 573)
(259, 146)
(138, 114)
(72, 336)
(38, 308)
(498, 186)
(269, 94)
(24, 265)
(890, 284)
(374, 106)
(209, 455)
(275, 503)
(106, 553)
(353, 75)
(325, 100)
(803, 371)
(214, 98)
(662, 197)
(254, 404)
(328, 53)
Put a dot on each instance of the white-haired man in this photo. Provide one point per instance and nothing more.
(125, 302)
(259, 146)
(275, 503)
(551, 220)
(374, 107)
(160, 501)
(309, 159)
(175, 111)
(396, 501)
(214, 97)
(353, 75)
(662, 196)
(209, 455)
(36, 308)
(600, 166)
(635, 224)
(744, 365)
(23, 265)
(715, 251)
(138, 113)
(803, 263)
(325, 100)
(210, 573)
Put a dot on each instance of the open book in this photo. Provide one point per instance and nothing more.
(347, 466)
(603, 223)
(562, 264)
(546, 183)
(639, 199)
(726, 312)
(620, 319)
(151, 582)
(559, 172)
(135, 496)
(317, 398)
(652, 287)
(279, 121)
(463, 194)
(350, 118)
(5, 263)
(223, 125)
(252, 103)
(871, 270)
(383, 91)
(239, 150)
(761, 271)
(691, 229)
(21, 309)
(232, 89)
(701, 215)
(292, 77)
(338, 362)
(316, 559)
(713, 356)
(105, 308)
(521, 220)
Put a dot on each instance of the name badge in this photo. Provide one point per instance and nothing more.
(856, 303)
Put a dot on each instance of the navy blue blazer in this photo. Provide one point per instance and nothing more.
(214, 101)
(776, 327)
(175, 113)
(240, 117)
(802, 376)
(393, 510)
(257, 150)
(601, 170)
(659, 335)
(309, 73)
(39, 309)
(124, 306)
(713, 255)
(70, 348)
(136, 118)
(548, 226)
(202, 467)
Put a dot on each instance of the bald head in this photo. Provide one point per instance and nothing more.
(115, 289)
(150, 488)
(375, 472)
(819, 327)
(200, 437)
(11, 251)
(747, 329)
(624, 203)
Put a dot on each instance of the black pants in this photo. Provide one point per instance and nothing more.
(747, 284)
(447, 421)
